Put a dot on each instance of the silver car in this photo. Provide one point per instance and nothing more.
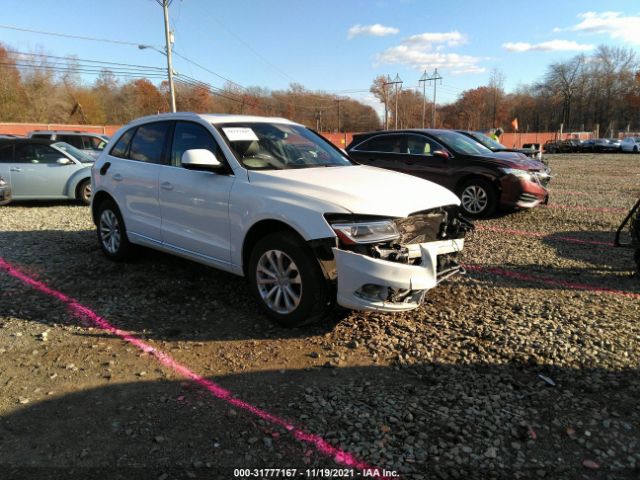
(91, 144)
(630, 144)
(45, 170)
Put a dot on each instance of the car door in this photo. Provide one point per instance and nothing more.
(422, 162)
(6, 159)
(36, 173)
(385, 151)
(133, 176)
(194, 203)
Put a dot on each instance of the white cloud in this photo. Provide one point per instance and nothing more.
(615, 24)
(420, 60)
(375, 30)
(450, 38)
(549, 46)
(428, 50)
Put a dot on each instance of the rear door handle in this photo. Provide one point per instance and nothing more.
(166, 186)
(15, 169)
(117, 177)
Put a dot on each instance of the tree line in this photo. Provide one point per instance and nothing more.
(598, 92)
(593, 92)
(39, 88)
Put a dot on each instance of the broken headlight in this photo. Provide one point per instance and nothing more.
(366, 232)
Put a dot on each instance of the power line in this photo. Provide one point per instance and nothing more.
(254, 51)
(66, 35)
(75, 59)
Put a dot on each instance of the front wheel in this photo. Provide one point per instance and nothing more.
(112, 234)
(478, 197)
(287, 281)
(83, 193)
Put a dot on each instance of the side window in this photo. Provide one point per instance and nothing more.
(385, 144)
(189, 136)
(419, 145)
(121, 148)
(148, 142)
(34, 153)
(94, 143)
(6, 154)
(46, 136)
(74, 140)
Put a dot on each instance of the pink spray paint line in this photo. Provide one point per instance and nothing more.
(320, 444)
(525, 233)
(548, 281)
(587, 209)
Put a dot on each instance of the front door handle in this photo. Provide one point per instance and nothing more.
(166, 186)
(15, 169)
(117, 177)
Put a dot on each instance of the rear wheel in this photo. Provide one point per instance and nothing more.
(635, 149)
(112, 234)
(478, 197)
(287, 281)
(83, 192)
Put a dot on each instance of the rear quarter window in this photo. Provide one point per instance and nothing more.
(121, 148)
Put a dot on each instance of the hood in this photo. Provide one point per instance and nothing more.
(359, 189)
(512, 160)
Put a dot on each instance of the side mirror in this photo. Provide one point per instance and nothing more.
(63, 161)
(440, 153)
(200, 159)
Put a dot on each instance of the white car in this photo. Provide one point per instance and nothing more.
(630, 144)
(271, 200)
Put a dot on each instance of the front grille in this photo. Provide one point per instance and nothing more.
(432, 225)
(527, 198)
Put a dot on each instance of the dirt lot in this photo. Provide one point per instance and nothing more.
(525, 368)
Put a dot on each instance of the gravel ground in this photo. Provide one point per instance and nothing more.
(508, 372)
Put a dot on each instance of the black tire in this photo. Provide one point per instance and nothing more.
(83, 192)
(486, 197)
(111, 227)
(635, 149)
(313, 290)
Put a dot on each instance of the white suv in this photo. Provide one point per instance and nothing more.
(271, 200)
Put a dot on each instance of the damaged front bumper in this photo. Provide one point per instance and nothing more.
(377, 284)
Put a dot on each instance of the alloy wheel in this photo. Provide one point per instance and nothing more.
(86, 192)
(110, 233)
(279, 281)
(474, 199)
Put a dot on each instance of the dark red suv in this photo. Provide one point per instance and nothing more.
(484, 180)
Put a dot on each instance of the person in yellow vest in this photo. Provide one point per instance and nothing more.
(497, 134)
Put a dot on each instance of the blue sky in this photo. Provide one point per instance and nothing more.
(336, 46)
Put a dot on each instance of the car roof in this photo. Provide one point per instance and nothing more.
(214, 118)
(20, 141)
(65, 132)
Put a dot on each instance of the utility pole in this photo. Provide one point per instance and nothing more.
(423, 80)
(396, 81)
(169, 40)
(434, 78)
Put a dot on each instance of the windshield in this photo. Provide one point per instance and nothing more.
(487, 141)
(74, 152)
(461, 143)
(280, 146)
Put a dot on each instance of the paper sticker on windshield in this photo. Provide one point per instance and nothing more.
(240, 134)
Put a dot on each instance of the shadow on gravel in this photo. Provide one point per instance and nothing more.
(619, 281)
(45, 203)
(187, 300)
(597, 249)
(425, 421)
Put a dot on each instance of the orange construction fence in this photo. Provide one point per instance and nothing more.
(339, 139)
(23, 129)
